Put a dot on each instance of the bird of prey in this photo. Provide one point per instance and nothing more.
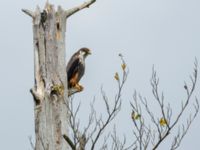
(76, 69)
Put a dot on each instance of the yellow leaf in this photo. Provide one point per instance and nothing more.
(135, 116)
(116, 76)
(123, 66)
(163, 122)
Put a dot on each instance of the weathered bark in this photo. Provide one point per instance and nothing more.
(50, 90)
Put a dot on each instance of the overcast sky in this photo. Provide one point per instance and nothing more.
(163, 33)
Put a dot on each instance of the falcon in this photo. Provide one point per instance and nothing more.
(76, 69)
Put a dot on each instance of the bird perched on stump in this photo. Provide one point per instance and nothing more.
(76, 69)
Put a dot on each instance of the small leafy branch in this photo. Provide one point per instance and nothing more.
(154, 133)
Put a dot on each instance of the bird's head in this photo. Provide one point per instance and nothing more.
(85, 52)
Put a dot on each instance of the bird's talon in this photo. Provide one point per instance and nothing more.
(79, 87)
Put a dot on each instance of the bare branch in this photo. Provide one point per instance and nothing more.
(180, 135)
(184, 105)
(163, 125)
(160, 100)
(112, 112)
(142, 132)
(28, 12)
(154, 121)
(74, 124)
(71, 144)
(72, 11)
(117, 144)
(189, 94)
(111, 115)
(31, 142)
(91, 119)
(104, 145)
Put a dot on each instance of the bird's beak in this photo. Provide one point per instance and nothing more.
(89, 53)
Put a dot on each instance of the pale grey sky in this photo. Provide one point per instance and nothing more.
(165, 33)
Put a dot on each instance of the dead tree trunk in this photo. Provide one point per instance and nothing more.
(50, 91)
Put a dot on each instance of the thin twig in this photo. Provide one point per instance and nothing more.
(72, 11)
(28, 12)
(31, 142)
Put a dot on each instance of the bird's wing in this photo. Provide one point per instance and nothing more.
(72, 66)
